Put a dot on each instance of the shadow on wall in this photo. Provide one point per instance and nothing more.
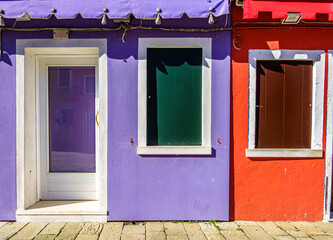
(116, 48)
(6, 59)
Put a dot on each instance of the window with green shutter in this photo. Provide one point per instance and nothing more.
(174, 96)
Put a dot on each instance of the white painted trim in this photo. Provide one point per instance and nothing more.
(292, 153)
(318, 58)
(206, 45)
(26, 51)
(174, 150)
(27, 218)
(327, 215)
(42, 103)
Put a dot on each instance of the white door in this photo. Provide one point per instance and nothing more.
(67, 121)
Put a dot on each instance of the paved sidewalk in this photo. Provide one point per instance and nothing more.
(212, 230)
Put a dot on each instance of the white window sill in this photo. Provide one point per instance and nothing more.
(174, 150)
(289, 153)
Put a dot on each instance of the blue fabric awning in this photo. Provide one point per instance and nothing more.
(144, 9)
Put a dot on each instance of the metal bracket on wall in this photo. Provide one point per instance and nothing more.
(60, 34)
(240, 3)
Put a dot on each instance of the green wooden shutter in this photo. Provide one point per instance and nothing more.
(174, 96)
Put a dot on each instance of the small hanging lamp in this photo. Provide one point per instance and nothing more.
(104, 18)
(2, 21)
(211, 18)
(158, 20)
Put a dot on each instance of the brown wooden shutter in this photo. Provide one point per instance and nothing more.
(284, 104)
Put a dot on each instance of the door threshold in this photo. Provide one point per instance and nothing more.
(62, 211)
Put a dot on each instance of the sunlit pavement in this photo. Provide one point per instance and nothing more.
(212, 230)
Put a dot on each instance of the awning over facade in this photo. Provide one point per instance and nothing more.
(144, 9)
(279, 9)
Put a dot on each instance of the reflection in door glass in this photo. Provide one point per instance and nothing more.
(72, 119)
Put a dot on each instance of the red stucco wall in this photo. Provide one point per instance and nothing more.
(271, 189)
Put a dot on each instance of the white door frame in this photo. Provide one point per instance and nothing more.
(26, 134)
(85, 184)
(327, 215)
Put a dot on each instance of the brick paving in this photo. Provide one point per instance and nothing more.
(212, 230)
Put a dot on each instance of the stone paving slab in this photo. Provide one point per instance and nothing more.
(213, 230)
(190, 225)
(133, 237)
(111, 231)
(155, 235)
(174, 228)
(234, 235)
(242, 223)
(214, 237)
(297, 233)
(322, 238)
(90, 231)
(45, 237)
(70, 231)
(286, 226)
(325, 226)
(177, 237)
(256, 232)
(29, 231)
(134, 229)
(53, 228)
(209, 228)
(195, 234)
(227, 225)
(154, 227)
(284, 238)
(10, 229)
(308, 228)
(2, 224)
(272, 229)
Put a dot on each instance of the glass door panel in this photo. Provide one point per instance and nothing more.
(72, 119)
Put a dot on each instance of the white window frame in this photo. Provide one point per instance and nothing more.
(206, 45)
(318, 58)
(27, 172)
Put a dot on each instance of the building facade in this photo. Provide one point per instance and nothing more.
(148, 110)
(280, 89)
(96, 124)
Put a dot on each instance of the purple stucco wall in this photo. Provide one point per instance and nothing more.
(7, 134)
(139, 188)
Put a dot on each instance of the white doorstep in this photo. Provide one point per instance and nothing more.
(62, 211)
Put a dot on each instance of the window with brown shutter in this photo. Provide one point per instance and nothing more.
(283, 104)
